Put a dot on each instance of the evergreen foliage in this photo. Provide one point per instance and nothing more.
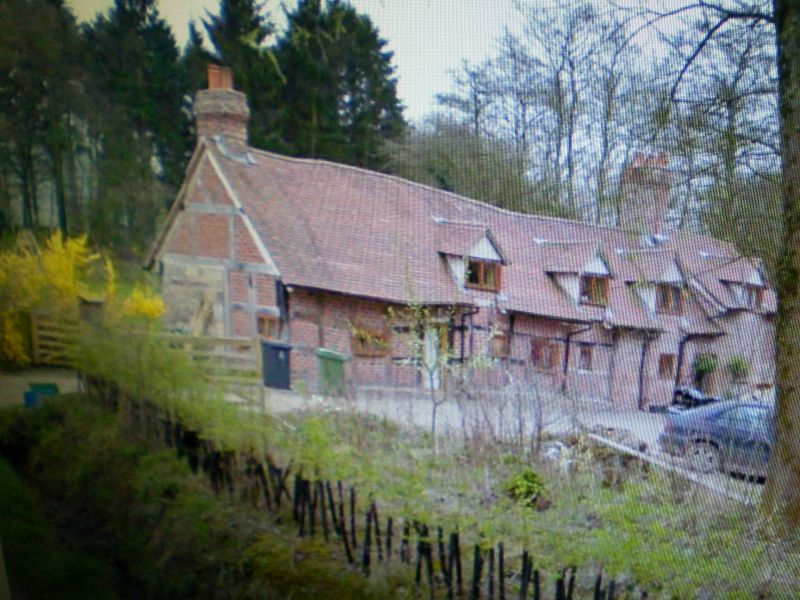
(96, 120)
(239, 34)
(339, 100)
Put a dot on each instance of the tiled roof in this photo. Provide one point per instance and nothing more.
(648, 265)
(566, 257)
(457, 238)
(345, 229)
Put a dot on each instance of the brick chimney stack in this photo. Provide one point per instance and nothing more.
(646, 185)
(221, 110)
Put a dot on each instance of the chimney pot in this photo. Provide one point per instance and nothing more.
(219, 78)
(226, 78)
(221, 110)
(214, 73)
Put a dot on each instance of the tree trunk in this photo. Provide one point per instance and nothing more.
(25, 174)
(57, 170)
(781, 499)
(573, 108)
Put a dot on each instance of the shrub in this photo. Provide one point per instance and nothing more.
(704, 365)
(526, 487)
(739, 367)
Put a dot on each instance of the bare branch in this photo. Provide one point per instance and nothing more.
(736, 14)
(698, 49)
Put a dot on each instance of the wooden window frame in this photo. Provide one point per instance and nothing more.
(545, 355)
(481, 267)
(666, 366)
(593, 290)
(669, 299)
(501, 345)
(269, 332)
(753, 296)
(368, 342)
(585, 356)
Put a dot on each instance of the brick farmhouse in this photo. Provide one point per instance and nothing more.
(322, 255)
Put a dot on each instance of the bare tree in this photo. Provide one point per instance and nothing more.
(472, 97)
(781, 19)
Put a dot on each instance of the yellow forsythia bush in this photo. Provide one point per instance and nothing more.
(142, 302)
(51, 278)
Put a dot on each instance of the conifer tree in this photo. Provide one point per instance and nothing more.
(239, 34)
(133, 59)
(339, 100)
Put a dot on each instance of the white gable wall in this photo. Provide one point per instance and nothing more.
(647, 294)
(458, 269)
(484, 249)
(755, 278)
(672, 274)
(595, 266)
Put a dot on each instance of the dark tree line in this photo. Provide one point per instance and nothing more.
(96, 118)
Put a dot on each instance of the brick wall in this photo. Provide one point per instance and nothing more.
(747, 335)
(323, 320)
(625, 369)
(239, 283)
(180, 241)
(265, 289)
(204, 236)
(658, 389)
(241, 322)
(246, 249)
(207, 187)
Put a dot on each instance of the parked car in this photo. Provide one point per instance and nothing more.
(728, 436)
(685, 396)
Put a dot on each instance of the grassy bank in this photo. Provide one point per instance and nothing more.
(596, 511)
(601, 512)
(38, 563)
(130, 520)
(161, 532)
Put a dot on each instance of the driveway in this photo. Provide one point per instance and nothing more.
(644, 426)
(501, 418)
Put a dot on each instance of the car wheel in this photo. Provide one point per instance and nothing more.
(703, 457)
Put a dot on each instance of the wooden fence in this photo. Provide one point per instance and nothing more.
(233, 363)
(228, 361)
(52, 340)
(338, 515)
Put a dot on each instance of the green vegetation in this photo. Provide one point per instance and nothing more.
(703, 366)
(738, 367)
(96, 129)
(526, 487)
(601, 511)
(451, 157)
(176, 538)
(38, 564)
(144, 512)
(604, 512)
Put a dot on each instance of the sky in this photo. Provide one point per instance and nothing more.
(430, 38)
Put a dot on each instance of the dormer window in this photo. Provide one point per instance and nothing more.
(483, 275)
(594, 290)
(669, 299)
